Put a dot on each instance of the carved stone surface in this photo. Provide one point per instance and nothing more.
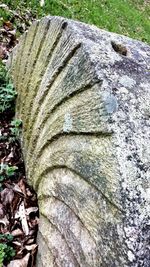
(84, 99)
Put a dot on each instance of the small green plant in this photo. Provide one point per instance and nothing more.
(6, 237)
(3, 138)
(16, 127)
(7, 171)
(6, 250)
(2, 177)
(16, 123)
(10, 170)
(7, 91)
(2, 253)
(6, 253)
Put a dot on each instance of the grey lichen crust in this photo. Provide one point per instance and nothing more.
(84, 99)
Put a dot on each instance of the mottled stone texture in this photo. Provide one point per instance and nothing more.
(84, 99)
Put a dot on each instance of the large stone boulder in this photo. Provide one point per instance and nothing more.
(84, 99)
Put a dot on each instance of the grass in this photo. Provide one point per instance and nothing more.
(128, 17)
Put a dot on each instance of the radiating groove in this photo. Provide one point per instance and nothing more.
(18, 59)
(19, 96)
(33, 62)
(39, 49)
(37, 154)
(19, 76)
(56, 74)
(26, 52)
(49, 143)
(71, 133)
(12, 60)
(32, 141)
(71, 95)
(41, 101)
(66, 98)
(63, 237)
(30, 103)
(56, 42)
(44, 196)
(75, 172)
(66, 61)
(15, 54)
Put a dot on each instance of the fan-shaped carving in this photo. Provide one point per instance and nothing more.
(81, 106)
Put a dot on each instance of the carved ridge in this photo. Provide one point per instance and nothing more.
(39, 233)
(49, 169)
(61, 236)
(42, 72)
(34, 140)
(21, 75)
(57, 137)
(44, 196)
(33, 63)
(44, 96)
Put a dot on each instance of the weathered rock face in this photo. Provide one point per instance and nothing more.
(84, 99)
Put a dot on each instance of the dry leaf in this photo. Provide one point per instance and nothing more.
(4, 221)
(17, 243)
(20, 263)
(31, 209)
(9, 157)
(31, 247)
(17, 232)
(3, 52)
(22, 186)
(28, 192)
(8, 25)
(7, 196)
(30, 241)
(17, 189)
(34, 222)
(1, 211)
(22, 215)
(13, 32)
(32, 232)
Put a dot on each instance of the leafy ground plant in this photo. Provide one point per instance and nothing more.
(6, 171)
(6, 253)
(18, 202)
(6, 250)
(7, 91)
(16, 128)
